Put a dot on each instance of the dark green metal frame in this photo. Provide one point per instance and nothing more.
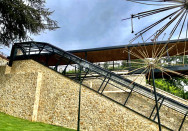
(35, 50)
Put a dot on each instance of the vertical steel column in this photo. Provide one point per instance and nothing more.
(183, 121)
(113, 65)
(79, 100)
(129, 57)
(85, 55)
(127, 62)
(167, 53)
(155, 94)
(12, 55)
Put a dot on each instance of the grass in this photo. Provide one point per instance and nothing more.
(10, 123)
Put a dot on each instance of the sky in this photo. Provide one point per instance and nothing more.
(89, 23)
(92, 23)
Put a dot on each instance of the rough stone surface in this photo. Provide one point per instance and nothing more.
(57, 101)
(138, 78)
(17, 93)
(3, 61)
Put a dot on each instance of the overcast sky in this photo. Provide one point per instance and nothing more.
(89, 23)
(92, 23)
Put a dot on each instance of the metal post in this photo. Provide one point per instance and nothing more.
(155, 94)
(167, 53)
(12, 55)
(127, 62)
(113, 65)
(79, 100)
(85, 55)
(183, 121)
(129, 57)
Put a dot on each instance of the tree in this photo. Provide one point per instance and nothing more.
(19, 18)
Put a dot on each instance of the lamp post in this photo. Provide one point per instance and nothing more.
(79, 100)
(155, 94)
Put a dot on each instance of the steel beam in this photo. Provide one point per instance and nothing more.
(85, 75)
(106, 84)
(129, 95)
(102, 83)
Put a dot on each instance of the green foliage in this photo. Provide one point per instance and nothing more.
(105, 65)
(71, 71)
(137, 63)
(10, 123)
(124, 64)
(18, 18)
(174, 86)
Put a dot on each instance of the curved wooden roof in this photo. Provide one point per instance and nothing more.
(114, 53)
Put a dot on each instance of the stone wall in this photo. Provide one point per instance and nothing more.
(40, 94)
(3, 61)
(17, 93)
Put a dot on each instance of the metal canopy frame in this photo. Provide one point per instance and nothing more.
(52, 57)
